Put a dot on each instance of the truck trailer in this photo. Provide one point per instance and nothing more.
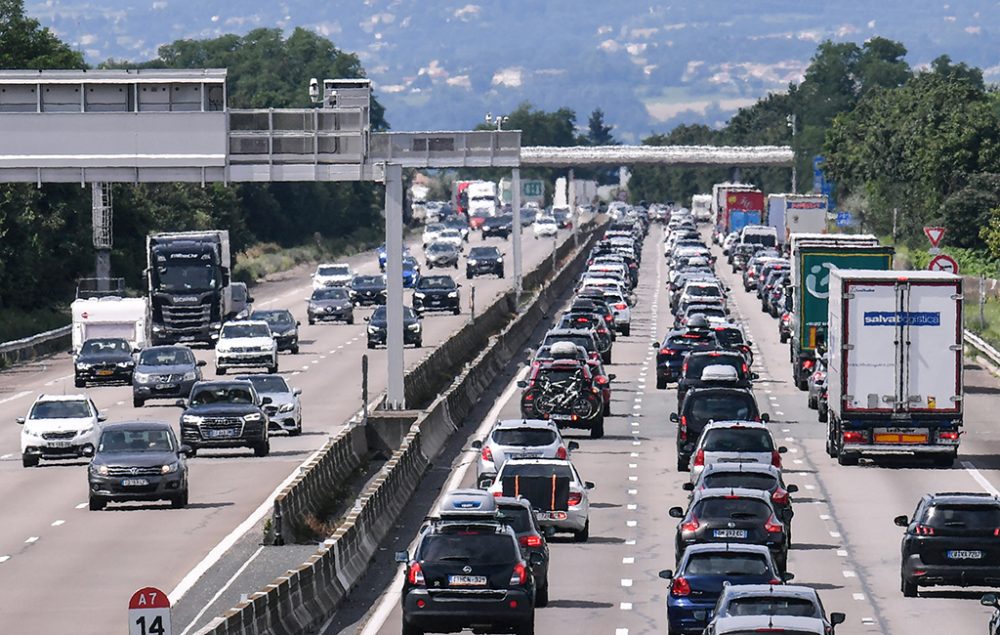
(110, 316)
(796, 214)
(894, 375)
(734, 206)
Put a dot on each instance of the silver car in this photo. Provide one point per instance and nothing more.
(743, 600)
(285, 410)
(735, 442)
(518, 439)
(556, 492)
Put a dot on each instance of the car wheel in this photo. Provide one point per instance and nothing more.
(584, 534)
(542, 596)
(627, 330)
(500, 273)
(97, 503)
(272, 369)
(811, 402)
(311, 321)
(606, 356)
(220, 371)
(597, 429)
(418, 344)
(782, 337)
(823, 414)
(295, 349)
(527, 629)
(683, 463)
(944, 462)
(409, 629)
(456, 264)
(79, 383)
(138, 403)
(180, 501)
(370, 345)
(262, 449)
(29, 460)
(661, 383)
(296, 431)
(468, 276)
(456, 311)
(908, 587)
(847, 459)
(607, 409)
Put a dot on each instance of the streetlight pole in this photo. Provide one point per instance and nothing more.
(791, 120)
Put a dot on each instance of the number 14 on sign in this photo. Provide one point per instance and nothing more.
(149, 612)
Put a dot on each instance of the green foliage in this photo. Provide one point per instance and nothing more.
(25, 44)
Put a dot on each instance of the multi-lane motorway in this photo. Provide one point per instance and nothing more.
(65, 569)
(845, 543)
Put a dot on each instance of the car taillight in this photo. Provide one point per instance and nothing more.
(699, 458)
(948, 435)
(691, 525)
(497, 494)
(854, 436)
(807, 364)
(775, 459)
(680, 588)
(487, 454)
(609, 318)
(530, 541)
(746, 369)
(924, 530)
(621, 306)
(575, 498)
(666, 351)
(529, 397)
(601, 379)
(780, 496)
(774, 526)
(415, 575)
(683, 433)
(519, 575)
(561, 453)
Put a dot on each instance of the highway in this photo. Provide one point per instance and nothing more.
(845, 543)
(65, 569)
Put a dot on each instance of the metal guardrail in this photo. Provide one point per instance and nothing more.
(983, 347)
(33, 345)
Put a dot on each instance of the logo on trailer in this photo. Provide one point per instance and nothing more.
(817, 286)
(902, 318)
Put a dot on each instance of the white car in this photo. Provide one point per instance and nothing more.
(285, 410)
(59, 427)
(545, 226)
(618, 302)
(332, 275)
(246, 344)
(431, 233)
(735, 442)
(451, 237)
(531, 478)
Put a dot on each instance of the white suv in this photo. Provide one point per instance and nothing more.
(246, 344)
(337, 275)
(59, 427)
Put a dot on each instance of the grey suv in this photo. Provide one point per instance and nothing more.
(164, 372)
(518, 439)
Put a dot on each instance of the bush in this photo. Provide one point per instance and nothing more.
(19, 323)
(260, 260)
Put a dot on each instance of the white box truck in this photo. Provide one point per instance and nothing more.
(894, 376)
(110, 316)
(701, 207)
(796, 214)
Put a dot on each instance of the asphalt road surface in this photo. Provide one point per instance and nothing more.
(65, 569)
(845, 543)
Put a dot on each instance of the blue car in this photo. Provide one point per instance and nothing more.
(411, 272)
(697, 584)
(382, 256)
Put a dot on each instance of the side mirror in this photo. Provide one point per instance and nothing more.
(366, 318)
(655, 345)
(791, 489)
(458, 286)
(536, 559)
(477, 444)
(297, 323)
(201, 362)
(589, 484)
(265, 400)
(296, 391)
(988, 599)
(901, 521)
(688, 487)
(675, 512)
(69, 352)
(20, 420)
(88, 451)
(522, 384)
(754, 376)
(840, 618)
(102, 418)
(765, 417)
(782, 449)
(787, 577)
(573, 445)
(612, 377)
(674, 417)
(401, 556)
(186, 450)
(180, 403)
(667, 574)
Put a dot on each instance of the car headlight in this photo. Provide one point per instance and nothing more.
(99, 469)
(82, 365)
(168, 469)
(419, 296)
(124, 364)
(286, 407)
(189, 376)
(190, 419)
(414, 327)
(500, 259)
(141, 378)
(473, 262)
(373, 329)
(253, 416)
(453, 294)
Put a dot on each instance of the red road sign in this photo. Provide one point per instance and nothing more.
(943, 262)
(934, 234)
(149, 612)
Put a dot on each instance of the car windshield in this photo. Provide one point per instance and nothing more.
(102, 347)
(467, 545)
(526, 470)
(749, 480)
(166, 357)
(732, 509)
(330, 293)
(268, 383)
(433, 228)
(519, 518)
(439, 248)
(726, 564)
(76, 409)
(436, 282)
(245, 330)
(524, 437)
(334, 270)
(379, 314)
(707, 311)
(368, 281)
(221, 394)
(724, 407)
(131, 441)
(963, 517)
(185, 276)
(737, 440)
(450, 233)
(771, 605)
(483, 252)
(276, 318)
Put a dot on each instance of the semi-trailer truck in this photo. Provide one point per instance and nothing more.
(734, 206)
(188, 278)
(796, 214)
(894, 373)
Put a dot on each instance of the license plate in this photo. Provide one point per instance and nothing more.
(963, 554)
(104, 372)
(556, 417)
(526, 455)
(730, 533)
(900, 436)
(466, 580)
(60, 444)
(134, 482)
(220, 434)
(165, 386)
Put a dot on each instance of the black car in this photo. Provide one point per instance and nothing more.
(600, 308)
(500, 226)
(674, 348)
(436, 293)
(702, 405)
(517, 513)
(693, 369)
(331, 303)
(284, 328)
(563, 217)
(103, 360)
(764, 477)
(441, 254)
(225, 414)
(412, 329)
(484, 260)
(951, 540)
(743, 516)
(138, 461)
(164, 372)
(467, 574)
(593, 322)
(367, 290)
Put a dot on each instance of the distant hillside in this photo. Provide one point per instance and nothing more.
(443, 64)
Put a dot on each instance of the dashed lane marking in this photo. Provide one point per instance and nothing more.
(842, 553)
(58, 522)
(626, 582)
(5, 457)
(32, 540)
(835, 534)
(849, 574)
(4, 559)
(625, 606)
(631, 507)
(858, 596)
(80, 506)
(631, 523)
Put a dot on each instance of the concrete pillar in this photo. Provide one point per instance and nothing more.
(515, 204)
(395, 394)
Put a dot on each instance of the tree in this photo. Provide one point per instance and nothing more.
(24, 43)
(598, 133)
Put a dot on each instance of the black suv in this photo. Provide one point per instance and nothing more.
(225, 414)
(412, 329)
(436, 293)
(693, 372)
(951, 540)
(500, 226)
(702, 405)
(284, 328)
(103, 360)
(517, 513)
(484, 260)
(674, 349)
(367, 290)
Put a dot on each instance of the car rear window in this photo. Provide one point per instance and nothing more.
(522, 437)
(586, 341)
(733, 508)
(724, 407)
(535, 469)
(517, 517)
(697, 363)
(727, 564)
(749, 480)
(690, 339)
(469, 545)
(738, 440)
(729, 336)
(963, 517)
(770, 605)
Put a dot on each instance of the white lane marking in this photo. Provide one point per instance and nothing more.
(979, 478)
(793, 450)
(633, 466)
(298, 372)
(635, 432)
(797, 461)
(5, 457)
(633, 492)
(858, 596)
(24, 393)
(621, 631)
(867, 621)
(80, 506)
(222, 590)
(626, 582)
(778, 412)
(768, 391)
(772, 397)
(810, 487)
(390, 599)
(634, 454)
(631, 523)
(119, 403)
(842, 553)
(628, 560)
(637, 443)
(849, 574)
(824, 517)
(786, 429)
(58, 522)
(633, 478)
(635, 424)
(632, 507)
(32, 539)
(629, 543)
(835, 534)
(4, 559)
(625, 606)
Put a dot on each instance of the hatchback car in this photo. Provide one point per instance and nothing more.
(556, 492)
(735, 442)
(104, 360)
(138, 461)
(766, 478)
(545, 227)
(590, 321)
(437, 293)
(482, 261)
(564, 391)
(704, 369)
(284, 412)
(704, 405)
(284, 328)
(773, 624)
(500, 226)
(518, 439)
(411, 272)
(771, 600)
(441, 254)
(518, 514)
(412, 329)
(332, 303)
(164, 372)
(675, 347)
(59, 427)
